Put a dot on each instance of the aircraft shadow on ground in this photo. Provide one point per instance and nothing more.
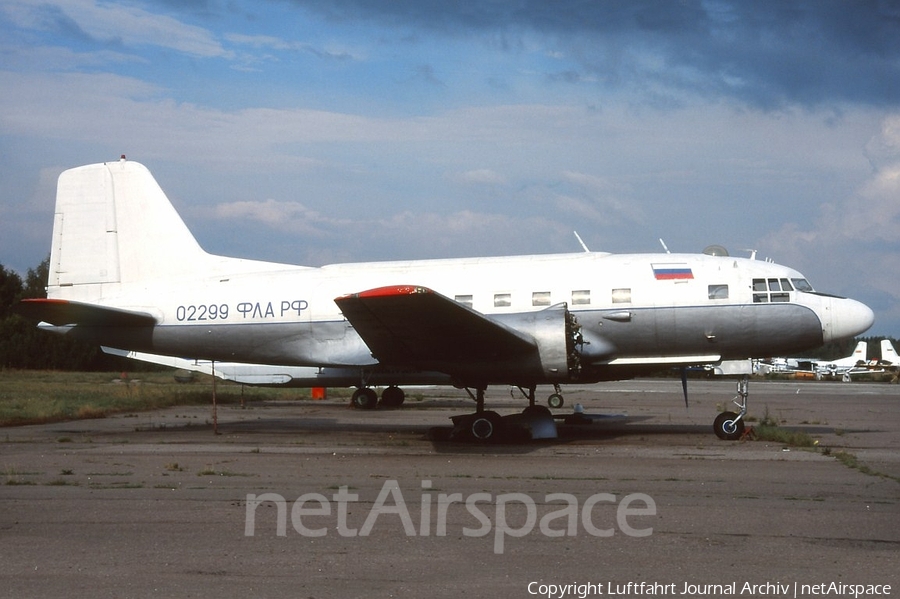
(441, 439)
(615, 428)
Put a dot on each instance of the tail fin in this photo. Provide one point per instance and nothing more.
(888, 353)
(114, 228)
(860, 352)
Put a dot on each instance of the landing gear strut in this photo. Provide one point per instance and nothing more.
(729, 426)
(483, 425)
(534, 422)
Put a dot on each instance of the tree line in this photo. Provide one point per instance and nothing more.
(24, 346)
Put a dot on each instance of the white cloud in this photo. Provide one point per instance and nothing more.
(855, 239)
(599, 199)
(284, 216)
(124, 23)
(271, 42)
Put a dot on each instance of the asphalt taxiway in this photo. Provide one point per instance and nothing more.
(370, 505)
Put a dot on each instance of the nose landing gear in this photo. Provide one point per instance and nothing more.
(556, 400)
(729, 426)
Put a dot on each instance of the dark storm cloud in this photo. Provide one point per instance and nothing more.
(770, 53)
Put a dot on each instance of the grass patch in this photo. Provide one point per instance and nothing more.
(851, 461)
(783, 436)
(208, 471)
(61, 482)
(769, 429)
(14, 477)
(39, 397)
(122, 485)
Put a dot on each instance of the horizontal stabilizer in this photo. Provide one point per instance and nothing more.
(408, 324)
(64, 312)
(248, 374)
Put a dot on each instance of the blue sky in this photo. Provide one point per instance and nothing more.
(311, 133)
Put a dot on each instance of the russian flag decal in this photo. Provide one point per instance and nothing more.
(672, 272)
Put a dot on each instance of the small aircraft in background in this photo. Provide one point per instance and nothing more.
(889, 354)
(126, 273)
(855, 362)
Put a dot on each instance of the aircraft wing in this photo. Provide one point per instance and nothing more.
(63, 312)
(407, 324)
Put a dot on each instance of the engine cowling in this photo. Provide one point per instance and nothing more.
(558, 338)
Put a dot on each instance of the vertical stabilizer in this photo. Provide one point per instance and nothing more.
(859, 354)
(888, 353)
(113, 227)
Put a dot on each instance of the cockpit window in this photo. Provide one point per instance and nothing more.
(802, 285)
(771, 290)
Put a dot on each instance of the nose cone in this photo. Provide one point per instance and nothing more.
(848, 319)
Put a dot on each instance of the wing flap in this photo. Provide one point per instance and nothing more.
(408, 324)
(63, 312)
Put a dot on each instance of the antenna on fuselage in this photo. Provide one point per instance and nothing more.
(665, 247)
(578, 237)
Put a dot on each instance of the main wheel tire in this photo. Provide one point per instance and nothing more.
(392, 397)
(555, 401)
(485, 426)
(364, 399)
(727, 427)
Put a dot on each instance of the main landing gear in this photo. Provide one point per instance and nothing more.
(534, 422)
(365, 398)
(483, 425)
(729, 426)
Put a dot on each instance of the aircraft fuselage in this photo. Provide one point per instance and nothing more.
(646, 310)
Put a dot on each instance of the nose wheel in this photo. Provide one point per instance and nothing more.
(729, 426)
(556, 400)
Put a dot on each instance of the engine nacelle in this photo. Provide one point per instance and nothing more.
(558, 337)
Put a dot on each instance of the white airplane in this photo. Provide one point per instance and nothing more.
(889, 354)
(126, 273)
(845, 366)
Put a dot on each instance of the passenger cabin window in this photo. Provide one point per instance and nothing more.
(502, 300)
(540, 298)
(717, 292)
(465, 300)
(771, 290)
(581, 297)
(621, 296)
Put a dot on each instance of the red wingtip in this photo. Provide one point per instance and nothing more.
(389, 291)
